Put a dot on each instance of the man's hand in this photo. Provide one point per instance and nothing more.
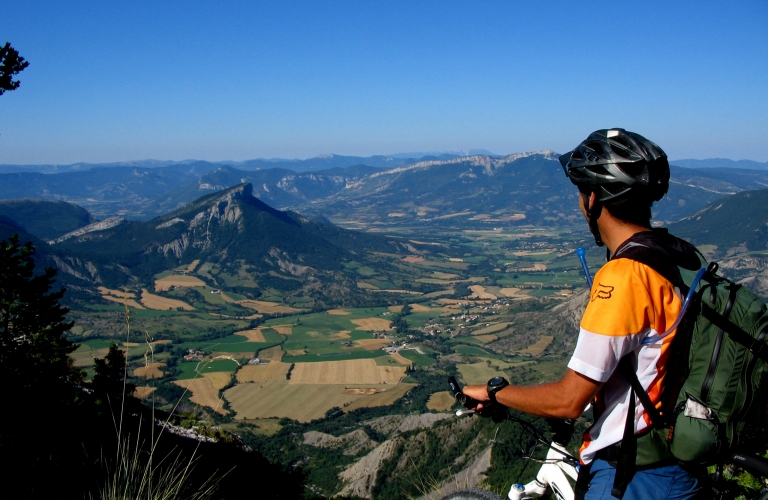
(565, 398)
(478, 393)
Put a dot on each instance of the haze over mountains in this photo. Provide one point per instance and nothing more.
(378, 188)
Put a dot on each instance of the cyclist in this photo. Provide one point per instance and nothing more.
(619, 175)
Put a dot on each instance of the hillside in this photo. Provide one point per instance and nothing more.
(257, 246)
(523, 188)
(46, 220)
(734, 224)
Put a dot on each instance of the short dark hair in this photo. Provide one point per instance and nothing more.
(634, 209)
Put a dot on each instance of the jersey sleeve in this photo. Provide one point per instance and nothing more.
(619, 315)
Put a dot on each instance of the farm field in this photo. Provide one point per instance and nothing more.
(539, 347)
(384, 398)
(349, 372)
(203, 393)
(441, 401)
(157, 302)
(152, 370)
(177, 280)
(262, 373)
(278, 399)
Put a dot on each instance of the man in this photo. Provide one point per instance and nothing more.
(619, 175)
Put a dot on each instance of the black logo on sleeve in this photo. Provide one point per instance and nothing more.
(602, 292)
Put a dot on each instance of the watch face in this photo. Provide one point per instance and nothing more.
(497, 381)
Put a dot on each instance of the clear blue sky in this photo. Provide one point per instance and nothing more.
(113, 81)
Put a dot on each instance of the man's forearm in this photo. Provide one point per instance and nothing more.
(565, 398)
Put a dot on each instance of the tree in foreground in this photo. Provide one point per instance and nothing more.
(34, 354)
(39, 383)
(11, 64)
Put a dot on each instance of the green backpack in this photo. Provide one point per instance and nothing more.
(719, 359)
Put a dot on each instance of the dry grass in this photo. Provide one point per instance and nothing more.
(441, 401)
(273, 353)
(130, 302)
(411, 259)
(485, 339)
(367, 391)
(152, 370)
(478, 292)
(296, 352)
(372, 344)
(266, 307)
(283, 330)
(493, 328)
(203, 393)
(420, 308)
(191, 267)
(117, 293)
(338, 312)
(401, 359)
(477, 373)
(219, 380)
(177, 280)
(143, 392)
(509, 292)
(372, 324)
(352, 371)
(539, 347)
(252, 335)
(137, 344)
(159, 303)
(344, 334)
(258, 374)
(278, 399)
(384, 398)
(395, 309)
(444, 276)
(366, 286)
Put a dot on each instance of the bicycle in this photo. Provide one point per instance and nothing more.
(557, 467)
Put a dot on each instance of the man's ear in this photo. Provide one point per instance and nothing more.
(592, 199)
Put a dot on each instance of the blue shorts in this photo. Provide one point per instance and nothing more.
(669, 482)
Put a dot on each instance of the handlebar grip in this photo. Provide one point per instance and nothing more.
(462, 398)
(753, 463)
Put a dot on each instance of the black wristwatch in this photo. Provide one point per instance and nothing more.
(495, 385)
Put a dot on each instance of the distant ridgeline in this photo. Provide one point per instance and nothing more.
(447, 190)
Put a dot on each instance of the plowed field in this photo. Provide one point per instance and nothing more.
(178, 280)
(203, 393)
(219, 380)
(385, 398)
(278, 398)
(262, 373)
(352, 371)
(372, 324)
(441, 401)
(539, 347)
(253, 335)
(159, 303)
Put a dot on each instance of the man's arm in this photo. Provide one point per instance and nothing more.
(565, 398)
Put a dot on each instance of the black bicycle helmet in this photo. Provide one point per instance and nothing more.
(614, 163)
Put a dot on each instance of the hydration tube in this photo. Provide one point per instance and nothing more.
(688, 297)
(582, 253)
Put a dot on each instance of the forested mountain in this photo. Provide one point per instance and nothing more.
(231, 228)
(45, 219)
(735, 223)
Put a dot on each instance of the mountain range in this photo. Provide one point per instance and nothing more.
(434, 191)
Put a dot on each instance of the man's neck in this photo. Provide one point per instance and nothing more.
(614, 232)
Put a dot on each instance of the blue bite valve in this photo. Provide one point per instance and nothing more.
(582, 254)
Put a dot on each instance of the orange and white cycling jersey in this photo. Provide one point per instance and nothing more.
(629, 302)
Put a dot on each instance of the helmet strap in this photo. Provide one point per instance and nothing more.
(592, 215)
